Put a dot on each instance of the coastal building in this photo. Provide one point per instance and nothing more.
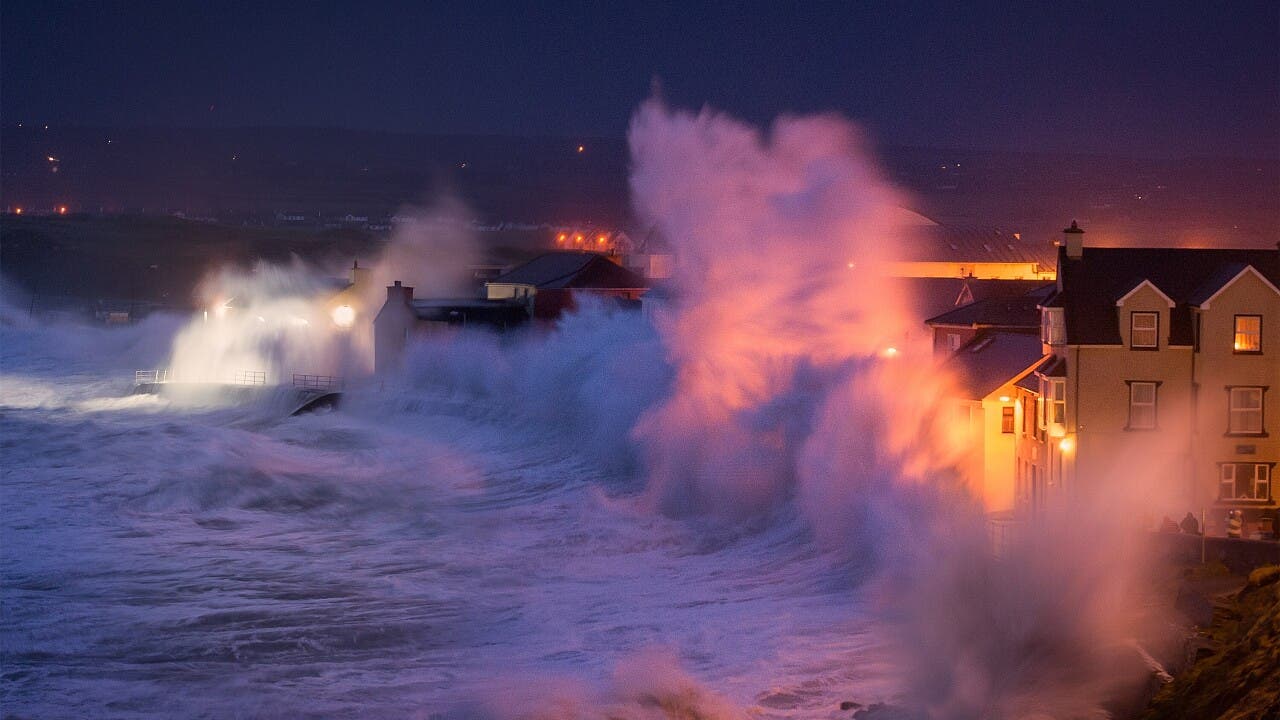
(986, 371)
(403, 318)
(1162, 364)
(927, 249)
(552, 283)
(998, 313)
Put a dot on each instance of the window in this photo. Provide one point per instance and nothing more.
(1053, 329)
(1144, 330)
(953, 341)
(1245, 481)
(1006, 419)
(1244, 414)
(1053, 402)
(1248, 335)
(1142, 405)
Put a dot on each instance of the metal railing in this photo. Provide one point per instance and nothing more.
(249, 377)
(150, 377)
(317, 382)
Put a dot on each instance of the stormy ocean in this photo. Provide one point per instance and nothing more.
(737, 505)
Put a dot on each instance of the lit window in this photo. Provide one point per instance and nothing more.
(1245, 410)
(1144, 330)
(1053, 329)
(1142, 406)
(1245, 481)
(953, 341)
(1006, 419)
(1248, 335)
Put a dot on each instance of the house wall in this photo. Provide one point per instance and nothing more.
(1216, 367)
(1101, 450)
(998, 451)
(391, 329)
(1029, 484)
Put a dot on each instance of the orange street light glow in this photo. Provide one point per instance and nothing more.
(17, 211)
(601, 239)
(62, 209)
(581, 148)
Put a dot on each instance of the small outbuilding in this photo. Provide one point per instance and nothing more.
(549, 283)
(403, 317)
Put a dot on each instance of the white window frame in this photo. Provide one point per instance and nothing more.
(953, 341)
(1053, 328)
(1229, 482)
(1149, 341)
(1142, 407)
(1053, 402)
(1246, 347)
(1239, 413)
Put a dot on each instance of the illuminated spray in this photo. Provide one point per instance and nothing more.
(770, 331)
(285, 319)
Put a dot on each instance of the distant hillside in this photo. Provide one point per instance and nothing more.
(210, 172)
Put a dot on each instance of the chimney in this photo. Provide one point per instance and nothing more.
(399, 293)
(359, 275)
(1074, 240)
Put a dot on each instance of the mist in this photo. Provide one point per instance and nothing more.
(744, 503)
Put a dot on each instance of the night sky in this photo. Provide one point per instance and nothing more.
(1165, 79)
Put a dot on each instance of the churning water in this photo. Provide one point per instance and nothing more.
(736, 507)
(427, 549)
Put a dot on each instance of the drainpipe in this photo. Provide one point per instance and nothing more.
(1074, 470)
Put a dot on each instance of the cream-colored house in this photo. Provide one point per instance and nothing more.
(985, 372)
(1162, 368)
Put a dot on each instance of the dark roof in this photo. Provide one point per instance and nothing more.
(572, 270)
(992, 359)
(1092, 283)
(461, 311)
(1004, 312)
(929, 297)
(956, 243)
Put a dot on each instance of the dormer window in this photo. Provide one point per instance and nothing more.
(1053, 329)
(1248, 335)
(1144, 330)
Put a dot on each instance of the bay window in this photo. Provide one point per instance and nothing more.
(1053, 328)
(1244, 481)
